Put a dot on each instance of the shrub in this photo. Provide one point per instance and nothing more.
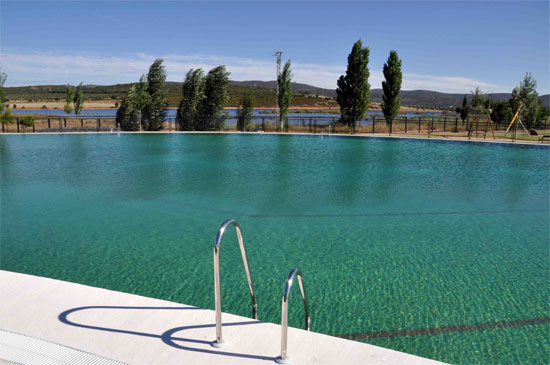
(27, 121)
(6, 117)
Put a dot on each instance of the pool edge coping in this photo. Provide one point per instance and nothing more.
(361, 135)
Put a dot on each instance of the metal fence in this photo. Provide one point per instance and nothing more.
(442, 125)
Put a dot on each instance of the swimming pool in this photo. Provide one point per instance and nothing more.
(440, 249)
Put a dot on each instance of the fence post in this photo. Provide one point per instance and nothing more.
(419, 123)
(391, 124)
(17, 121)
(444, 124)
(2, 127)
(405, 125)
(98, 125)
(81, 122)
(456, 124)
(65, 122)
(33, 130)
(373, 123)
(49, 123)
(432, 124)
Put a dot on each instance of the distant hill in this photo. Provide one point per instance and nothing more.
(264, 91)
(422, 98)
(264, 96)
(296, 87)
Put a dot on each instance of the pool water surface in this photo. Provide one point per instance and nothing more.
(439, 249)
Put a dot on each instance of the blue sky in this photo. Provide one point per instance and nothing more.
(448, 46)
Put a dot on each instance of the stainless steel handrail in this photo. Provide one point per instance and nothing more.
(217, 291)
(284, 358)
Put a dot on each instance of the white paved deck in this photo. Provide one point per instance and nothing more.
(139, 330)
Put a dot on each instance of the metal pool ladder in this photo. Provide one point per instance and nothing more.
(217, 292)
(284, 358)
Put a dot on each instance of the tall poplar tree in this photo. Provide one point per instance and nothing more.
(5, 112)
(391, 102)
(353, 92)
(244, 113)
(463, 110)
(3, 78)
(215, 96)
(140, 99)
(285, 94)
(193, 92)
(69, 99)
(128, 116)
(78, 100)
(154, 112)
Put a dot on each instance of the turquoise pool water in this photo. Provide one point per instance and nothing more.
(439, 249)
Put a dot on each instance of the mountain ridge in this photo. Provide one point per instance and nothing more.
(305, 94)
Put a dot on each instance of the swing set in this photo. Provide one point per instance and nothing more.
(517, 116)
(489, 123)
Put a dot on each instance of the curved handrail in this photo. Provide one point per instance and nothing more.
(284, 359)
(217, 291)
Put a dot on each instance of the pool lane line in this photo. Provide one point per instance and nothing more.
(392, 214)
(446, 329)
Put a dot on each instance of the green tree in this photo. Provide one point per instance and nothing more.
(501, 111)
(244, 113)
(154, 112)
(478, 101)
(193, 93)
(78, 99)
(26, 121)
(543, 112)
(215, 96)
(463, 110)
(140, 99)
(515, 100)
(128, 117)
(285, 95)
(528, 96)
(3, 78)
(353, 92)
(6, 117)
(391, 102)
(69, 99)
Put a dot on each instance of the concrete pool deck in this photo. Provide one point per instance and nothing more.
(139, 330)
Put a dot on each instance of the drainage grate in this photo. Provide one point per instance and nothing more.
(27, 350)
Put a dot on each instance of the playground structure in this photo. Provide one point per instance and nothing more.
(518, 118)
(476, 122)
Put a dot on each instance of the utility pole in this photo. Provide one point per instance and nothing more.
(278, 55)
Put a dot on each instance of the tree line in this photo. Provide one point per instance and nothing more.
(353, 94)
(524, 98)
(203, 98)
